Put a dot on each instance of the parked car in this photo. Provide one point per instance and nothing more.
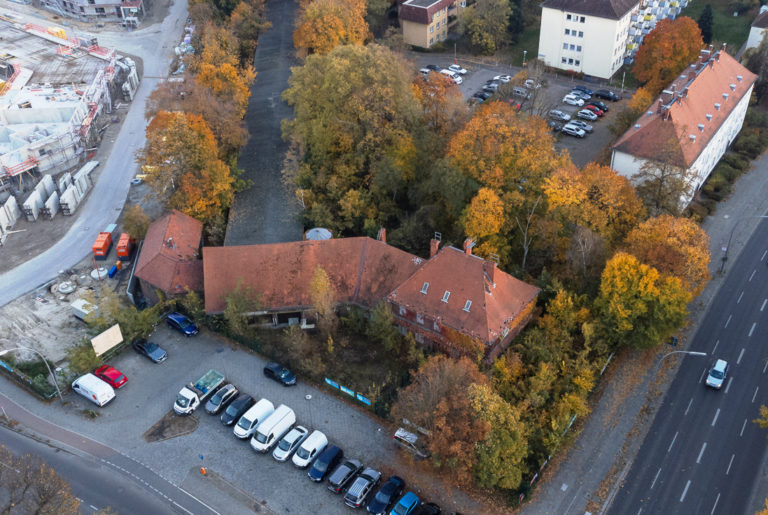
(451, 75)
(386, 495)
(326, 461)
(559, 115)
(573, 100)
(112, 376)
(221, 399)
(717, 374)
(581, 125)
(554, 126)
(94, 389)
(280, 374)
(600, 105)
(182, 324)
(427, 508)
(532, 84)
(580, 94)
(236, 409)
(151, 350)
(482, 96)
(584, 89)
(607, 95)
(273, 428)
(491, 87)
(503, 78)
(586, 114)
(573, 131)
(361, 487)
(457, 69)
(342, 474)
(406, 504)
(309, 449)
(250, 420)
(289, 443)
(594, 109)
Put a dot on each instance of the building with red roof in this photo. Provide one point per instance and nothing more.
(692, 123)
(426, 22)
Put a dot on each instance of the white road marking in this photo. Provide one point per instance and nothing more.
(755, 394)
(655, 478)
(728, 321)
(741, 355)
(689, 406)
(703, 373)
(639, 511)
(728, 386)
(701, 452)
(717, 414)
(729, 464)
(764, 253)
(685, 491)
(764, 303)
(752, 328)
(742, 427)
(180, 506)
(94, 508)
(752, 274)
(673, 442)
(715, 506)
(740, 296)
(715, 347)
(766, 366)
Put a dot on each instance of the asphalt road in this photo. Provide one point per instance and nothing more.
(95, 484)
(703, 452)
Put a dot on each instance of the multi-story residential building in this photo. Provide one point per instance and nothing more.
(426, 22)
(129, 12)
(692, 123)
(759, 29)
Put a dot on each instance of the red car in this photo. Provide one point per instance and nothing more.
(111, 376)
(594, 109)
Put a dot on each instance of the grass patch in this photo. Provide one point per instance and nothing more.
(528, 43)
(726, 28)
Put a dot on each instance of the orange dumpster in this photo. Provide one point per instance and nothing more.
(102, 245)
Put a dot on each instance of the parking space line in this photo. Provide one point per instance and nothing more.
(766, 366)
(752, 275)
(689, 406)
(717, 414)
(728, 386)
(673, 442)
(655, 478)
(715, 347)
(701, 452)
(703, 373)
(755, 394)
(744, 425)
(685, 491)
(729, 464)
(764, 253)
(715, 506)
(752, 329)
(728, 321)
(741, 355)
(740, 296)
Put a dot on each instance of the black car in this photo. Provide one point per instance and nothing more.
(584, 90)
(280, 374)
(607, 95)
(433, 67)
(236, 410)
(386, 495)
(342, 475)
(221, 399)
(182, 324)
(599, 104)
(427, 508)
(325, 462)
(150, 350)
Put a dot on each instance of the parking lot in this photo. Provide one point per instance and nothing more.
(149, 395)
(581, 150)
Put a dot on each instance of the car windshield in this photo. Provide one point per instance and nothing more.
(321, 466)
(232, 410)
(184, 323)
(284, 373)
(303, 453)
(182, 401)
(244, 423)
(151, 347)
(120, 378)
(382, 497)
(261, 438)
(716, 374)
(285, 444)
(216, 399)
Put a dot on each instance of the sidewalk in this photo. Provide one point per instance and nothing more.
(604, 450)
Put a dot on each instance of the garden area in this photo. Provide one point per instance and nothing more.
(726, 28)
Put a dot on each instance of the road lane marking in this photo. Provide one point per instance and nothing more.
(655, 478)
(689, 406)
(742, 427)
(755, 395)
(715, 347)
(740, 296)
(741, 355)
(701, 452)
(703, 373)
(752, 275)
(182, 507)
(673, 442)
(728, 386)
(685, 491)
(729, 464)
(766, 366)
(728, 321)
(764, 253)
(751, 330)
(717, 414)
(715, 506)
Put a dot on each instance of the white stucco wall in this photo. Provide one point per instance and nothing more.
(755, 37)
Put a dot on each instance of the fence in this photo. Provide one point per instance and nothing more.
(355, 395)
(45, 392)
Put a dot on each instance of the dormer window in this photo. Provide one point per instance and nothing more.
(446, 295)
(467, 305)
(424, 288)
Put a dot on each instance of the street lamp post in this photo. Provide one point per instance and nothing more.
(730, 237)
(692, 353)
(55, 382)
(525, 53)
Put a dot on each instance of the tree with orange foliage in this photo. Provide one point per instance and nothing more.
(666, 51)
(228, 83)
(325, 24)
(443, 104)
(674, 246)
(637, 105)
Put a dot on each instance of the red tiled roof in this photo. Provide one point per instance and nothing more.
(497, 297)
(421, 11)
(761, 22)
(362, 270)
(169, 258)
(678, 114)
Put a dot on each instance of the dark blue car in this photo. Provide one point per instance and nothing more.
(324, 463)
(182, 324)
(391, 490)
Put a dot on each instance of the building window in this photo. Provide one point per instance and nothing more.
(419, 318)
(99, 10)
(564, 60)
(581, 34)
(572, 47)
(567, 16)
(565, 46)
(43, 151)
(444, 20)
(403, 311)
(577, 62)
(567, 32)
(82, 10)
(446, 296)
(582, 19)
(431, 29)
(578, 48)
(463, 4)
(425, 288)
(430, 41)
(570, 61)
(467, 306)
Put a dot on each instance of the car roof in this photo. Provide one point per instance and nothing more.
(409, 497)
(176, 316)
(720, 364)
(108, 371)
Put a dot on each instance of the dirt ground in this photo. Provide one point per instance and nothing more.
(171, 426)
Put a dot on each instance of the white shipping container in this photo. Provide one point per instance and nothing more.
(12, 210)
(5, 223)
(32, 207)
(83, 185)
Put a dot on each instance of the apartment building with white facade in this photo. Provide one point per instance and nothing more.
(694, 120)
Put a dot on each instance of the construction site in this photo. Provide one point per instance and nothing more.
(58, 95)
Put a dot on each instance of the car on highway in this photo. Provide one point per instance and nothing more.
(279, 373)
(586, 114)
(151, 350)
(182, 324)
(342, 475)
(573, 100)
(289, 443)
(573, 131)
(386, 495)
(406, 504)
(607, 95)
(717, 374)
(221, 399)
(594, 109)
(236, 409)
(559, 115)
(584, 90)
(361, 487)
(112, 376)
(581, 125)
(457, 69)
(325, 462)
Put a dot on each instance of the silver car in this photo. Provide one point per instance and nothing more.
(221, 399)
(559, 115)
(581, 125)
(717, 374)
(289, 443)
(573, 131)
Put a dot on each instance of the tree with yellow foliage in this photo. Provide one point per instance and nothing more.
(228, 83)
(325, 24)
(443, 104)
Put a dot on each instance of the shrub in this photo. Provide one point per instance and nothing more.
(717, 187)
(749, 144)
(735, 160)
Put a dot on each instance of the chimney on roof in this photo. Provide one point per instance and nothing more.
(489, 269)
(382, 236)
(723, 47)
(434, 246)
(169, 243)
(468, 244)
(659, 107)
(685, 92)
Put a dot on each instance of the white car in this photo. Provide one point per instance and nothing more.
(532, 84)
(717, 374)
(573, 131)
(503, 78)
(457, 69)
(586, 114)
(455, 76)
(573, 100)
(290, 443)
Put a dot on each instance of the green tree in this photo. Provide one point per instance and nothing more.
(82, 358)
(486, 23)
(757, 62)
(136, 222)
(382, 329)
(705, 24)
(193, 305)
(242, 302)
(323, 297)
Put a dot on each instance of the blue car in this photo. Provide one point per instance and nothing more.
(406, 504)
(182, 324)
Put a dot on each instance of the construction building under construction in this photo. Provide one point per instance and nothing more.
(53, 89)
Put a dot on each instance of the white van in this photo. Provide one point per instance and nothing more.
(310, 449)
(252, 418)
(94, 389)
(273, 428)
